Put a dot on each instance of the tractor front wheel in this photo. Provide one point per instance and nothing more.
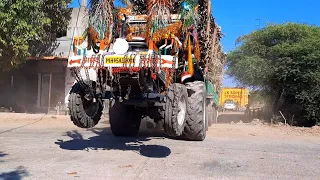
(85, 113)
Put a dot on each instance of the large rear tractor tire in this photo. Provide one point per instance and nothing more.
(175, 110)
(196, 125)
(84, 113)
(124, 120)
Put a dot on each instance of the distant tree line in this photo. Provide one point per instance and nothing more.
(283, 63)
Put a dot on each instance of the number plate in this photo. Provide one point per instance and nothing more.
(118, 60)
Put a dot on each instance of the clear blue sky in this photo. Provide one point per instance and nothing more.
(241, 17)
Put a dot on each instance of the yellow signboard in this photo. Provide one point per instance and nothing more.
(238, 95)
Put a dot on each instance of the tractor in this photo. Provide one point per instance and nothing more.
(156, 59)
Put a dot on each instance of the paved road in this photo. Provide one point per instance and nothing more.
(55, 149)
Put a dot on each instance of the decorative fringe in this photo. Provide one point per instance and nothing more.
(100, 23)
(159, 16)
(206, 45)
(165, 3)
(159, 10)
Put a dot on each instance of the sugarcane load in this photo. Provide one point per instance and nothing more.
(159, 60)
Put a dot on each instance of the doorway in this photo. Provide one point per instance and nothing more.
(44, 95)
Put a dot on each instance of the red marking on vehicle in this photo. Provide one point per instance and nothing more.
(163, 61)
(78, 61)
(154, 76)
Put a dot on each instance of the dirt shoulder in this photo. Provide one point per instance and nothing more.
(264, 131)
(228, 130)
(13, 120)
(22, 117)
(236, 124)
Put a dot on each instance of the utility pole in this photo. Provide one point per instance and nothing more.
(83, 3)
(259, 25)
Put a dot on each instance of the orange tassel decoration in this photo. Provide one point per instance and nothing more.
(151, 3)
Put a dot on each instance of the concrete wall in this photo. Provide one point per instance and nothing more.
(23, 89)
(69, 81)
(77, 25)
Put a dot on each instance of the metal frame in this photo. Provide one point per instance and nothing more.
(141, 99)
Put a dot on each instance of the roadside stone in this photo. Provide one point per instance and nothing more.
(256, 122)
(316, 127)
(240, 122)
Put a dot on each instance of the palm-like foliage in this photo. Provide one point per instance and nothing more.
(211, 50)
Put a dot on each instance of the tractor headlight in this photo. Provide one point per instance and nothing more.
(121, 46)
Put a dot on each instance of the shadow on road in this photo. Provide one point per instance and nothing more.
(17, 174)
(104, 140)
(2, 154)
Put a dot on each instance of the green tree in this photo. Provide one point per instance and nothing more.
(28, 28)
(283, 61)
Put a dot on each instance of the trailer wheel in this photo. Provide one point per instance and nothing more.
(210, 114)
(84, 113)
(124, 119)
(215, 115)
(196, 125)
(175, 110)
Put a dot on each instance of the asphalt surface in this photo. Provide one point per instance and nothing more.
(56, 149)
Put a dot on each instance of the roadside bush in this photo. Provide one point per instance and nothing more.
(282, 61)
